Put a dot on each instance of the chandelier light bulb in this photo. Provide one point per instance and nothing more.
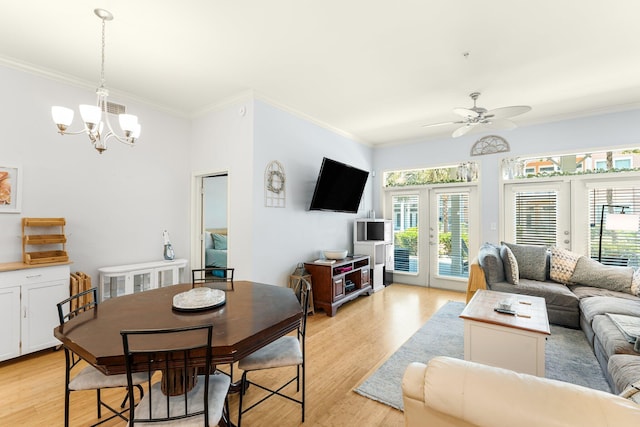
(90, 115)
(62, 117)
(128, 123)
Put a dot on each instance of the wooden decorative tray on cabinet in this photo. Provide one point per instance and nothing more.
(47, 232)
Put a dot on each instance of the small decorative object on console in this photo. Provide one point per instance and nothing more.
(335, 254)
(168, 249)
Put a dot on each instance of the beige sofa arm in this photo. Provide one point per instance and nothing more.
(462, 393)
(476, 280)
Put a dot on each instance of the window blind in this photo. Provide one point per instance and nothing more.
(536, 218)
(618, 247)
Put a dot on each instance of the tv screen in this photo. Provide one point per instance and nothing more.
(339, 187)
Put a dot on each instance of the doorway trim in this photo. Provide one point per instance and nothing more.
(197, 215)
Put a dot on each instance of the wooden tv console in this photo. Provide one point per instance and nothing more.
(329, 281)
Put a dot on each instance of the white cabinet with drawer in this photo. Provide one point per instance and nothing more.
(28, 313)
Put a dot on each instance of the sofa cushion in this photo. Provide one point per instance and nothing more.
(635, 282)
(554, 293)
(610, 337)
(531, 260)
(591, 273)
(563, 263)
(595, 306)
(582, 291)
(491, 263)
(511, 271)
(624, 370)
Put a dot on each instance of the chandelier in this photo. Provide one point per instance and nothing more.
(96, 117)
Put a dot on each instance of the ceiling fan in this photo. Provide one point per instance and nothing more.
(476, 117)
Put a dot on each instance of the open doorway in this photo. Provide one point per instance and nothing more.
(213, 220)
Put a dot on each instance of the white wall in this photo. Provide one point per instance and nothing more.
(285, 236)
(607, 130)
(222, 141)
(116, 204)
(215, 201)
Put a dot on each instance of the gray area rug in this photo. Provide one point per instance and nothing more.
(568, 356)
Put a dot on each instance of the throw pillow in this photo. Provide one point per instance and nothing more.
(590, 272)
(511, 271)
(491, 263)
(220, 241)
(532, 260)
(632, 393)
(635, 283)
(563, 263)
(208, 240)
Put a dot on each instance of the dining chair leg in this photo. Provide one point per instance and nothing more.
(243, 385)
(126, 396)
(66, 408)
(99, 403)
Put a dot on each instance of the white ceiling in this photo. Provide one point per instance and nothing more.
(373, 69)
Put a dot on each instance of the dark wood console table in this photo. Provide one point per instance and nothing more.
(340, 282)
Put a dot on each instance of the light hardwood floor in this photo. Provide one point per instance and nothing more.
(341, 352)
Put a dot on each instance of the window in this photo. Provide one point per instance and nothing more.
(617, 164)
(618, 247)
(405, 232)
(536, 217)
(453, 234)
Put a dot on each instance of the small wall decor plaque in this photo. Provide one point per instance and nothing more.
(490, 144)
(274, 185)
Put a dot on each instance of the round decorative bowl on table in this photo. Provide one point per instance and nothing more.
(335, 254)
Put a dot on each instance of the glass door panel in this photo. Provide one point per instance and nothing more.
(406, 233)
(453, 234)
(142, 281)
(453, 229)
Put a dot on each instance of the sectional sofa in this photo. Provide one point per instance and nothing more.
(579, 292)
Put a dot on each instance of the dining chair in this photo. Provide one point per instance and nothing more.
(81, 376)
(212, 276)
(147, 350)
(284, 352)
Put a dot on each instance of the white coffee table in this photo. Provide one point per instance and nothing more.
(515, 342)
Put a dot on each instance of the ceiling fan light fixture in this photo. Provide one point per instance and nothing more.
(474, 116)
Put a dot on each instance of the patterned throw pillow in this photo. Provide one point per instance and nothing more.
(563, 263)
(635, 283)
(632, 392)
(510, 265)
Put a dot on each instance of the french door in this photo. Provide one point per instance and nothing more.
(538, 214)
(435, 234)
(453, 230)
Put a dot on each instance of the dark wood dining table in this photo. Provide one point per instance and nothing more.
(253, 316)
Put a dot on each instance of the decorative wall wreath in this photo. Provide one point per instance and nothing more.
(275, 185)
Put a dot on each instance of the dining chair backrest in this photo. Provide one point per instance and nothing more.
(212, 277)
(191, 345)
(76, 304)
(305, 292)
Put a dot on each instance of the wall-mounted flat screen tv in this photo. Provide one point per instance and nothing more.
(339, 187)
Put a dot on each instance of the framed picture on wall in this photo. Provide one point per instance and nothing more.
(10, 188)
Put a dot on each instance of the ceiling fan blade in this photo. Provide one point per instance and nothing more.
(441, 124)
(465, 112)
(500, 124)
(463, 130)
(506, 112)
